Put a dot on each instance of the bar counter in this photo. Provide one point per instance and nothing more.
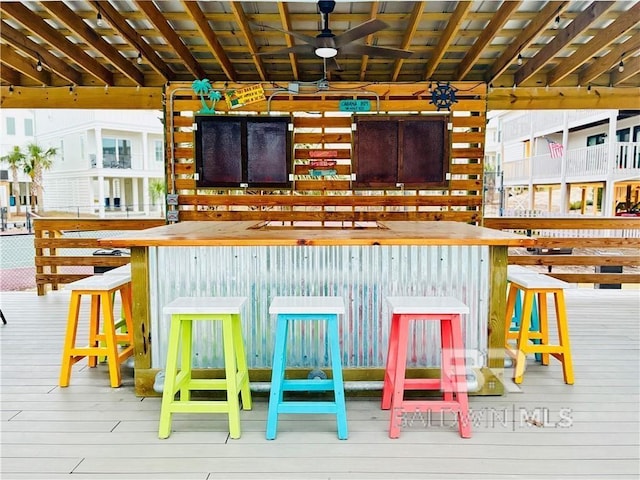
(362, 262)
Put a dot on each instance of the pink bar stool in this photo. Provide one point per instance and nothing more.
(452, 381)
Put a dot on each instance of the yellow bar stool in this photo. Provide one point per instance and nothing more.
(101, 290)
(531, 286)
(184, 311)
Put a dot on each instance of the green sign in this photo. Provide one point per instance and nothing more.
(355, 105)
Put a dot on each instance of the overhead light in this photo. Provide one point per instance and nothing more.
(490, 87)
(10, 89)
(621, 66)
(39, 65)
(588, 89)
(556, 23)
(139, 59)
(99, 19)
(519, 59)
(326, 52)
(70, 89)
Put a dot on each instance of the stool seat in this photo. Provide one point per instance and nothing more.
(452, 381)
(101, 290)
(306, 309)
(533, 287)
(184, 311)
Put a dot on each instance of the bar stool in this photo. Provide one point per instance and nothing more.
(101, 289)
(514, 326)
(532, 286)
(452, 381)
(184, 311)
(306, 309)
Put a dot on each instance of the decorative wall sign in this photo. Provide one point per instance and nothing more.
(354, 105)
(443, 96)
(244, 96)
(204, 89)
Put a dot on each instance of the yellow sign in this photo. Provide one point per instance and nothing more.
(244, 96)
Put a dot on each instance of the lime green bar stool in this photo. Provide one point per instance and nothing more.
(184, 311)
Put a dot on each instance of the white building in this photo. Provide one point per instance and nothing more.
(105, 160)
(594, 153)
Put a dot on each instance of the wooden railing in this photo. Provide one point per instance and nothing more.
(593, 242)
(55, 248)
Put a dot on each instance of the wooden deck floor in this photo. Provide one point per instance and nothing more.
(90, 431)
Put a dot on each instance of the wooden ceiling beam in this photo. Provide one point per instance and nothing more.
(373, 14)
(285, 19)
(166, 30)
(526, 37)
(126, 31)
(39, 27)
(497, 22)
(606, 36)
(561, 40)
(414, 21)
(34, 50)
(619, 52)
(202, 24)
(243, 23)
(451, 30)
(23, 65)
(78, 26)
(631, 68)
(9, 75)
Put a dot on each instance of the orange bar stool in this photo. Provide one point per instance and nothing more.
(452, 382)
(532, 286)
(184, 312)
(105, 343)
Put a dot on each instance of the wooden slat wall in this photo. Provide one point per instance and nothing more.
(331, 198)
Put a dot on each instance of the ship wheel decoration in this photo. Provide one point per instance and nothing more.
(443, 96)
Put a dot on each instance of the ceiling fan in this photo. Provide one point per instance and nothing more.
(327, 45)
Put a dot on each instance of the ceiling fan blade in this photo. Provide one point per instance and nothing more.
(294, 49)
(362, 30)
(333, 65)
(376, 51)
(299, 36)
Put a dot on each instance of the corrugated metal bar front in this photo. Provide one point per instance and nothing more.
(362, 275)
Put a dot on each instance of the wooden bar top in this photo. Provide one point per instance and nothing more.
(247, 233)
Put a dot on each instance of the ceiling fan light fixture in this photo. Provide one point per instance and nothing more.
(326, 52)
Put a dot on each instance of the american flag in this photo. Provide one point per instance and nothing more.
(555, 148)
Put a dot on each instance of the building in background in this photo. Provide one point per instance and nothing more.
(553, 157)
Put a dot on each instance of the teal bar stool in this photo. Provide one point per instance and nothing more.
(516, 320)
(306, 309)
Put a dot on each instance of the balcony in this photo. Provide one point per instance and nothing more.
(588, 164)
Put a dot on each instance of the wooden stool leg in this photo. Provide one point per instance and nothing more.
(277, 376)
(460, 377)
(512, 301)
(399, 374)
(338, 383)
(111, 343)
(231, 375)
(186, 332)
(544, 324)
(447, 366)
(241, 362)
(171, 370)
(390, 369)
(70, 340)
(563, 337)
(522, 345)
(94, 328)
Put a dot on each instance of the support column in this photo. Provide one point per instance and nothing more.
(564, 199)
(532, 149)
(99, 168)
(608, 201)
(135, 203)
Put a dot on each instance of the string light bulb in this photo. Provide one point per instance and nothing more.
(621, 66)
(10, 89)
(490, 87)
(546, 87)
(519, 59)
(39, 65)
(99, 21)
(139, 59)
(588, 89)
(70, 89)
(556, 23)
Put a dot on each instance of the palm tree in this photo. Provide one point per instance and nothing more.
(156, 191)
(37, 161)
(202, 88)
(15, 159)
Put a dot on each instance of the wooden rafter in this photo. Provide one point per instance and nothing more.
(202, 24)
(120, 24)
(451, 30)
(23, 65)
(241, 20)
(414, 21)
(526, 37)
(42, 29)
(34, 50)
(561, 40)
(373, 14)
(622, 51)
(631, 68)
(606, 36)
(166, 30)
(80, 28)
(494, 26)
(9, 75)
(285, 19)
